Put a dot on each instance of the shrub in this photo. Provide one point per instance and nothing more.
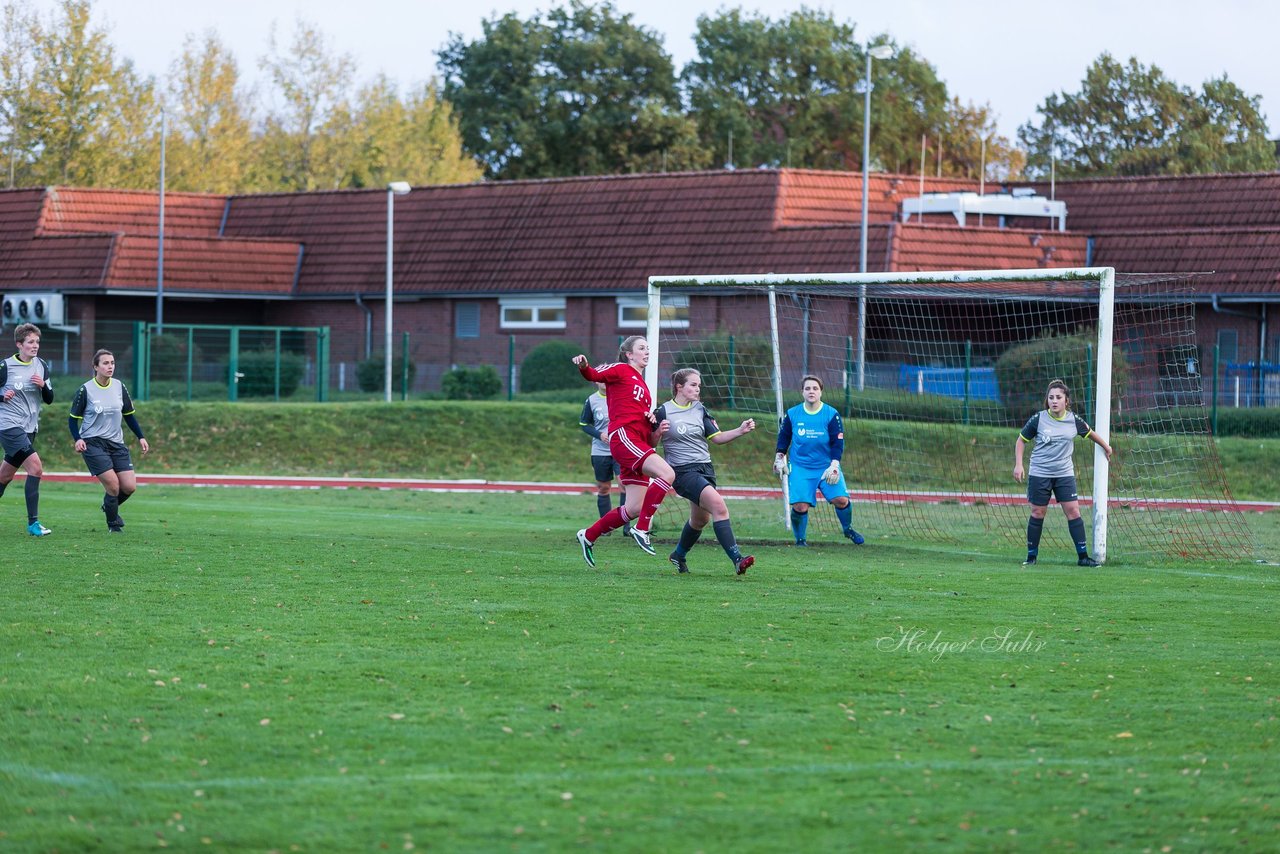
(371, 374)
(1024, 371)
(169, 357)
(549, 366)
(259, 369)
(743, 382)
(480, 383)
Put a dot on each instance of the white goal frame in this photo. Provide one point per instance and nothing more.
(1105, 277)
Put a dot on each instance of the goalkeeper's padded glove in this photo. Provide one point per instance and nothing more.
(780, 465)
(832, 474)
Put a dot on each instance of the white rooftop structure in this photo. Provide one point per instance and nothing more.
(1021, 202)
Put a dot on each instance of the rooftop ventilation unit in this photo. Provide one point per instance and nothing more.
(42, 309)
(960, 205)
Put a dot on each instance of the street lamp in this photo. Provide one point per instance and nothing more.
(395, 188)
(882, 51)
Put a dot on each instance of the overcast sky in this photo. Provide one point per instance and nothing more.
(1006, 53)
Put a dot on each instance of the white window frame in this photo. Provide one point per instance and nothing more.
(542, 311)
(642, 304)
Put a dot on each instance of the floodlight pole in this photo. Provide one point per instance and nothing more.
(160, 232)
(883, 51)
(395, 188)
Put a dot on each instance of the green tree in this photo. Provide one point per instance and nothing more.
(414, 139)
(585, 91)
(790, 93)
(958, 148)
(18, 29)
(312, 83)
(75, 98)
(1132, 120)
(211, 140)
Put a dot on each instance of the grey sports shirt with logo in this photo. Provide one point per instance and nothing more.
(685, 442)
(1054, 440)
(595, 413)
(23, 409)
(101, 409)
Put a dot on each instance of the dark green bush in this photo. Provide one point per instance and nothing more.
(480, 383)
(169, 357)
(259, 369)
(371, 374)
(549, 366)
(743, 382)
(1024, 371)
(1248, 423)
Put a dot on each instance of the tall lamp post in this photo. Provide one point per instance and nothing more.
(882, 51)
(395, 188)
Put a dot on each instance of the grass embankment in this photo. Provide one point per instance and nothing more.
(541, 441)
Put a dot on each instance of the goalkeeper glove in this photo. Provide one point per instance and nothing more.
(832, 474)
(780, 465)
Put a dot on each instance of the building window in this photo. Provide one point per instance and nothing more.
(532, 313)
(633, 312)
(466, 319)
(1228, 345)
(1274, 355)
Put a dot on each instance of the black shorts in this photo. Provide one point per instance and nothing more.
(605, 467)
(692, 479)
(104, 455)
(15, 440)
(1040, 488)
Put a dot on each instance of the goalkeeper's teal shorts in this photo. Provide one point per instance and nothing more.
(805, 484)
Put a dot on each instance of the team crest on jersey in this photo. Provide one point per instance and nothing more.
(97, 409)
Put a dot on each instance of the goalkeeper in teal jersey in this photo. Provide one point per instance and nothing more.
(811, 438)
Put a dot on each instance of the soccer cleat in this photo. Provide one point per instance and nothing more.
(857, 538)
(642, 540)
(802, 544)
(1087, 561)
(1030, 561)
(586, 548)
(35, 529)
(743, 565)
(115, 530)
(677, 560)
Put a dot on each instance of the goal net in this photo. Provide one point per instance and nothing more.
(936, 372)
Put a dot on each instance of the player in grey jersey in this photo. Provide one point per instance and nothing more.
(100, 407)
(594, 421)
(24, 378)
(685, 428)
(1052, 470)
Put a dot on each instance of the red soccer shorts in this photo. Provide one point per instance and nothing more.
(629, 447)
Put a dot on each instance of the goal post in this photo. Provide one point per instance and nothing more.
(953, 360)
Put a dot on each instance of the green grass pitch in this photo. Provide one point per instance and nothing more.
(281, 670)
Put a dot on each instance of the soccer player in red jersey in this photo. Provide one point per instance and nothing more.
(646, 476)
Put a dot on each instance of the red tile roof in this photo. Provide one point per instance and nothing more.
(130, 211)
(1242, 260)
(204, 265)
(1191, 201)
(949, 247)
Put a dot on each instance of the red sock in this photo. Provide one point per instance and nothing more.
(658, 489)
(606, 523)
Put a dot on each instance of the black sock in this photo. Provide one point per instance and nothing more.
(3, 487)
(688, 539)
(124, 496)
(1076, 527)
(603, 504)
(32, 488)
(111, 507)
(1034, 528)
(724, 533)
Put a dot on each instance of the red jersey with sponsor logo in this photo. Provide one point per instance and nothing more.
(629, 400)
